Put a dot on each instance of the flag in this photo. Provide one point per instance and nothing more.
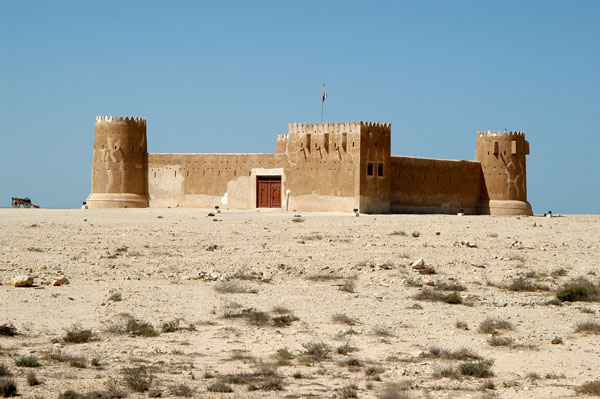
(324, 94)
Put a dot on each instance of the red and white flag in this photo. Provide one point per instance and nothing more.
(324, 93)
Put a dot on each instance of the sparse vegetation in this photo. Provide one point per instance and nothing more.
(395, 391)
(446, 372)
(138, 379)
(561, 272)
(219, 386)
(589, 327)
(449, 286)
(348, 286)
(525, 285)
(579, 289)
(589, 388)
(115, 297)
(398, 233)
(480, 369)
(8, 330)
(461, 325)
(325, 277)
(27, 361)
(315, 351)
(182, 390)
(343, 319)
(234, 287)
(453, 298)
(31, 379)
(349, 391)
(383, 331)
(459, 354)
(500, 341)
(77, 335)
(4, 371)
(346, 349)
(8, 387)
(492, 326)
(415, 234)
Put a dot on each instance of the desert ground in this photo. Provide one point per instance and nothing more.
(265, 304)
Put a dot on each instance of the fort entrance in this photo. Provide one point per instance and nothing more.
(268, 191)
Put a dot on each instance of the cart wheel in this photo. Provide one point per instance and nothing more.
(15, 203)
(27, 205)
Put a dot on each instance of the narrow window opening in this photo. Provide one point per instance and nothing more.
(175, 173)
(370, 169)
(380, 169)
(154, 174)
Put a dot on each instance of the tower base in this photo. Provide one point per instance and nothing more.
(116, 200)
(504, 208)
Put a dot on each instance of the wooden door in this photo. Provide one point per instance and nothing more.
(263, 194)
(268, 192)
(275, 194)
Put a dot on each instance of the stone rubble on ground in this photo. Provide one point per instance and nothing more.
(22, 281)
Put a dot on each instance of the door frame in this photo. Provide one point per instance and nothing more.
(268, 178)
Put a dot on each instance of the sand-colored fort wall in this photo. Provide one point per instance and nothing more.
(421, 185)
(375, 167)
(202, 180)
(504, 186)
(119, 165)
(321, 165)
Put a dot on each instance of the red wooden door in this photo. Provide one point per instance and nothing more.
(275, 194)
(263, 194)
(268, 192)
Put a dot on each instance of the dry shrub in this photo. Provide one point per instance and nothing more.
(459, 354)
(524, 285)
(446, 372)
(395, 391)
(579, 289)
(346, 348)
(284, 321)
(343, 319)
(78, 335)
(138, 379)
(590, 327)
(8, 330)
(8, 387)
(4, 371)
(182, 390)
(480, 369)
(325, 277)
(491, 326)
(349, 391)
(315, 351)
(430, 295)
(234, 287)
(383, 331)
(348, 286)
(449, 286)
(220, 387)
(589, 388)
(27, 361)
(500, 341)
(32, 379)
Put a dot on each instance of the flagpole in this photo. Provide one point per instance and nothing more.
(323, 102)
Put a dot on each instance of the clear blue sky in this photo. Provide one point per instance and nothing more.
(227, 76)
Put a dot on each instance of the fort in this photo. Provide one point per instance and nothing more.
(315, 167)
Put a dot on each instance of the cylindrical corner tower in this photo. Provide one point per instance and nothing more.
(504, 182)
(119, 170)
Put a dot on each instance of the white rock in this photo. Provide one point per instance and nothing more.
(418, 264)
(60, 281)
(22, 281)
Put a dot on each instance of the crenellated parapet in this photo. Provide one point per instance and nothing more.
(503, 164)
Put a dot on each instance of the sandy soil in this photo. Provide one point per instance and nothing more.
(162, 262)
